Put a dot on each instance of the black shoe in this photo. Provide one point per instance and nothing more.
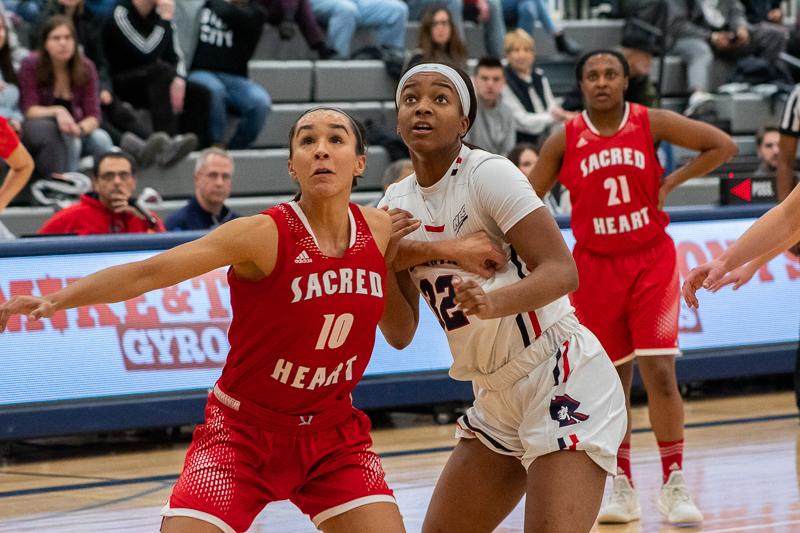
(144, 152)
(177, 149)
(325, 52)
(565, 45)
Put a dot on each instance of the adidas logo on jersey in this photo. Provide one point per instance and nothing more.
(302, 257)
(581, 143)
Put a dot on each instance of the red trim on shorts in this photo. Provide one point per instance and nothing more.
(566, 360)
(434, 229)
(537, 328)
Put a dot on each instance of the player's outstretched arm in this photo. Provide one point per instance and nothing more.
(552, 272)
(230, 244)
(714, 145)
(545, 172)
(777, 229)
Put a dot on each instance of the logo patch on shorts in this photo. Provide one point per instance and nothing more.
(564, 410)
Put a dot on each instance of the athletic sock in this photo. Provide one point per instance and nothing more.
(624, 461)
(671, 456)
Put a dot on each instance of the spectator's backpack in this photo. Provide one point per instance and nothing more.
(757, 70)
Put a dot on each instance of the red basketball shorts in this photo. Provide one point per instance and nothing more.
(630, 302)
(233, 469)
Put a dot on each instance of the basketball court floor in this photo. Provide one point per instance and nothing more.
(741, 464)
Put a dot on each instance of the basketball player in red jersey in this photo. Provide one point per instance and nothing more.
(628, 293)
(308, 284)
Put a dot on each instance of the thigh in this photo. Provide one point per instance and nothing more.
(655, 302)
(209, 80)
(601, 303)
(383, 516)
(564, 492)
(343, 473)
(476, 490)
(243, 94)
(220, 483)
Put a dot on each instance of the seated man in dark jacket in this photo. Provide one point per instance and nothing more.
(212, 186)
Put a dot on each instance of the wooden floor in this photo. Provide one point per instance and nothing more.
(741, 464)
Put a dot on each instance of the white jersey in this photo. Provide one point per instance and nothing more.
(480, 191)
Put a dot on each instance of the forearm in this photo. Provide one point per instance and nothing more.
(777, 230)
(784, 178)
(545, 284)
(14, 182)
(40, 111)
(701, 165)
(113, 284)
(401, 314)
(412, 253)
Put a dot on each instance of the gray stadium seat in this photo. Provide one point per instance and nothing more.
(747, 111)
(285, 81)
(352, 81)
(25, 220)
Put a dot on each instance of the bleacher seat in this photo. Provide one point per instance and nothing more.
(285, 81)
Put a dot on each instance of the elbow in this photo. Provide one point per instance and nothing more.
(731, 149)
(571, 279)
(398, 343)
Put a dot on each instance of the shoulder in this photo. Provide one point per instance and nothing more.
(378, 220)
(244, 231)
(490, 169)
(31, 60)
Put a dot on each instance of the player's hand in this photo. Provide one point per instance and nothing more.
(737, 276)
(472, 300)
(31, 306)
(479, 254)
(403, 223)
(706, 276)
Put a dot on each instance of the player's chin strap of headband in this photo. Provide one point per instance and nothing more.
(444, 70)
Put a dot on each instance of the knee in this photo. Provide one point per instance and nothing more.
(399, 12)
(662, 382)
(347, 11)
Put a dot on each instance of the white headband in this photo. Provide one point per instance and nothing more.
(444, 70)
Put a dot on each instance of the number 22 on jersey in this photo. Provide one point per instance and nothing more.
(449, 317)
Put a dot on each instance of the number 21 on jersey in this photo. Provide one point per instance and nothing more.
(617, 187)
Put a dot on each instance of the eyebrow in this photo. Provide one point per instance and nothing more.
(330, 125)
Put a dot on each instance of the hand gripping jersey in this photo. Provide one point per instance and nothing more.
(480, 191)
(301, 338)
(613, 183)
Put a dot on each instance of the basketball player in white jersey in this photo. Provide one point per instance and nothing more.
(549, 411)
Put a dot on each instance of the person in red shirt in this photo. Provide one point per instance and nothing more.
(19, 161)
(109, 208)
(628, 293)
(308, 283)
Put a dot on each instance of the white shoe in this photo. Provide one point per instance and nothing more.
(622, 506)
(698, 101)
(675, 502)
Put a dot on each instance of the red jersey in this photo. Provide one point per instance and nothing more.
(301, 338)
(613, 183)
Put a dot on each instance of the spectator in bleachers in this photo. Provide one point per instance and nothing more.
(118, 118)
(768, 149)
(110, 207)
(438, 41)
(527, 91)
(229, 33)
(387, 17)
(9, 86)
(60, 94)
(701, 30)
(526, 12)
(494, 123)
(282, 13)
(396, 171)
(490, 16)
(213, 175)
(148, 71)
(20, 168)
(525, 156)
